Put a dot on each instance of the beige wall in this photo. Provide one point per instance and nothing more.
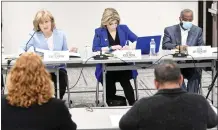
(79, 19)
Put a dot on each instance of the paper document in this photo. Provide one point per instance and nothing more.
(41, 50)
(214, 49)
(115, 119)
(73, 54)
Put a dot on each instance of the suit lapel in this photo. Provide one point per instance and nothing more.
(55, 39)
(190, 37)
(42, 41)
(120, 33)
(104, 39)
(178, 35)
(121, 36)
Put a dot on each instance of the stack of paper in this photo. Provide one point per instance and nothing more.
(71, 54)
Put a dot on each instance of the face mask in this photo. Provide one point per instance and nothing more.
(186, 25)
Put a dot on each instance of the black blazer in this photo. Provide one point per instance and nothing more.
(53, 115)
(172, 109)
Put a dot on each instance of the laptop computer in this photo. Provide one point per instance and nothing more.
(143, 43)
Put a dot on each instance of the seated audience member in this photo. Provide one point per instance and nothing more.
(171, 108)
(29, 104)
(185, 34)
(46, 36)
(109, 37)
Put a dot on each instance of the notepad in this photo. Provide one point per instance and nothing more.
(73, 54)
(115, 119)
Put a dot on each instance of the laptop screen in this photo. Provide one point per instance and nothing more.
(143, 43)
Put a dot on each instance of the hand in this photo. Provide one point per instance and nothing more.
(126, 48)
(74, 49)
(104, 49)
(116, 47)
(182, 47)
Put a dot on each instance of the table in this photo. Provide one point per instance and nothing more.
(147, 60)
(101, 118)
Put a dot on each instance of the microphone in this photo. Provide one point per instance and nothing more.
(29, 41)
(180, 54)
(101, 56)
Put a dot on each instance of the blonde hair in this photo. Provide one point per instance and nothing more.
(109, 15)
(29, 82)
(41, 16)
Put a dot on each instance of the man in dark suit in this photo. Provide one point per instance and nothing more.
(171, 108)
(185, 34)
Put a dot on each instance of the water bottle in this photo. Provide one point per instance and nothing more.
(152, 47)
(88, 52)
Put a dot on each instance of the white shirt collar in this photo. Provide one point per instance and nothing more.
(184, 36)
(183, 29)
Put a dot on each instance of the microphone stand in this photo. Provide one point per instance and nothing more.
(29, 41)
(180, 54)
(100, 57)
(212, 85)
(213, 82)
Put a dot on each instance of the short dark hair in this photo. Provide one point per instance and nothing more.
(167, 71)
(185, 11)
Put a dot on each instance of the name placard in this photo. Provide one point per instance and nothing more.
(199, 51)
(128, 54)
(56, 55)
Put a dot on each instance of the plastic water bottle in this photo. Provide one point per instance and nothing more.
(152, 47)
(88, 52)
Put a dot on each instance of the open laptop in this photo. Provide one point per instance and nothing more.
(143, 43)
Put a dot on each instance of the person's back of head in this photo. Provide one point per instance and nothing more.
(28, 82)
(173, 107)
(167, 75)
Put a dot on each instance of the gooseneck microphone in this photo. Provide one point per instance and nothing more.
(29, 41)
